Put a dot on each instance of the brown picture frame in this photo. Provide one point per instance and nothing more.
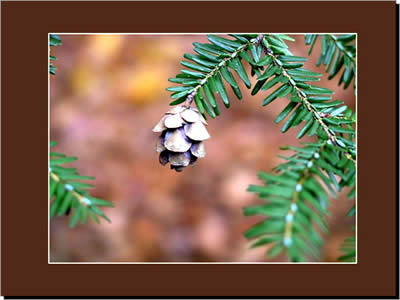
(24, 236)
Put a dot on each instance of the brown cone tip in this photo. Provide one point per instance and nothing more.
(177, 168)
(179, 159)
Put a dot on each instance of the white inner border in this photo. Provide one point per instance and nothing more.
(206, 263)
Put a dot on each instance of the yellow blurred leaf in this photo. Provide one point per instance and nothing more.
(81, 79)
(105, 45)
(144, 85)
(159, 50)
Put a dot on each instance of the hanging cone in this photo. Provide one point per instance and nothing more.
(180, 142)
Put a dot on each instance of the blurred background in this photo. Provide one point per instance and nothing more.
(108, 94)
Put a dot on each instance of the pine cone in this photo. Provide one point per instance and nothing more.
(183, 131)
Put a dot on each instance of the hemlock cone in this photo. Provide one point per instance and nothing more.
(183, 131)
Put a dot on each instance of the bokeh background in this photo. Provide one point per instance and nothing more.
(108, 94)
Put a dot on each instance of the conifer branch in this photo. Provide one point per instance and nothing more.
(67, 192)
(81, 198)
(215, 59)
(297, 198)
(297, 194)
(208, 69)
(337, 53)
(215, 70)
(288, 232)
(316, 114)
(341, 47)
